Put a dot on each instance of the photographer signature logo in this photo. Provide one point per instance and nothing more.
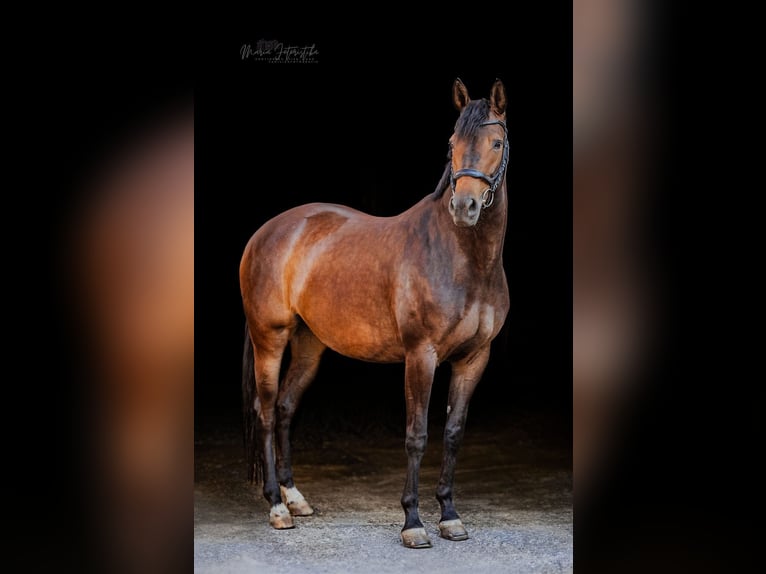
(276, 52)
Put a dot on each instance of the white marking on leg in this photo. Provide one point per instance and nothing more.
(449, 409)
(295, 501)
(279, 510)
(291, 495)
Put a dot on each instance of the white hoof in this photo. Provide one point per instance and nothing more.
(280, 517)
(296, 504)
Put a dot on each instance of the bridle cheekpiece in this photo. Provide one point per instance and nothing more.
(488, 196)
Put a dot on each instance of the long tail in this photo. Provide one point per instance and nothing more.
(250, 408)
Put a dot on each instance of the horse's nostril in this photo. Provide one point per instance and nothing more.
(452, 204)
(472, 205)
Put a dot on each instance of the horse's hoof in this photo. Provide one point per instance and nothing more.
(415, 538)
(453, 530)
(301, 508)
(296, 504)
(280, 517)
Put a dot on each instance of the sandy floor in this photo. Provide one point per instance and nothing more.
(514, 494)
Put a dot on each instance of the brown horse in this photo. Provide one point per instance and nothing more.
(423, 287)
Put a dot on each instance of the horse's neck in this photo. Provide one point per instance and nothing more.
(482, 244)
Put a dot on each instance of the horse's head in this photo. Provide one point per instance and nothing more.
(478, 153)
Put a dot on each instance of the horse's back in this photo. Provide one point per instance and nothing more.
(306, 224)
(331, 266)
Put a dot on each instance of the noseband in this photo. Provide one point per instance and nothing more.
(493, 182)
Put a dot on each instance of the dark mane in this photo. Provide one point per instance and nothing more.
(443, 184)
(467, 125)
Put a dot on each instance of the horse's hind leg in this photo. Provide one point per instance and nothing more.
(465, 376)
(306, 351)
(268, 349)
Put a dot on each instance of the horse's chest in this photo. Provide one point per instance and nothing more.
(452, 319)
(474, 327)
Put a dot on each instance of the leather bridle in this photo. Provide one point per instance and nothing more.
(488, 196)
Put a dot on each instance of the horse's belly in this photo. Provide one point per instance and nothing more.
(357, 337)
(351, 316)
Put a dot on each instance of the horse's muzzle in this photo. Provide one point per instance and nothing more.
(464, 210)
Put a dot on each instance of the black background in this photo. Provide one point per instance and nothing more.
(367, 126)
(687, 476)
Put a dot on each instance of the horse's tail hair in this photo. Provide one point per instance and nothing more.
(250, 408)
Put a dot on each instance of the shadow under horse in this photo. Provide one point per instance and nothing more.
(423, 287)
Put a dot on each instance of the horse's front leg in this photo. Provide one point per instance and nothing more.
(465, 376)
(418, 378)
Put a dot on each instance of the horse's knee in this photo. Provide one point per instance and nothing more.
(415, 444)
(453, 435)
(285, 410)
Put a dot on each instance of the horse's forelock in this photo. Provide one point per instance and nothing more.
(474, 114)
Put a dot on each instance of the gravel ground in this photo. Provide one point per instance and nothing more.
(514, 495)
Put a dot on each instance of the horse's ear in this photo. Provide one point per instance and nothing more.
(497, 98)
(460, 95)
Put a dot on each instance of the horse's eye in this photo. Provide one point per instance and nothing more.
(497, 145)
